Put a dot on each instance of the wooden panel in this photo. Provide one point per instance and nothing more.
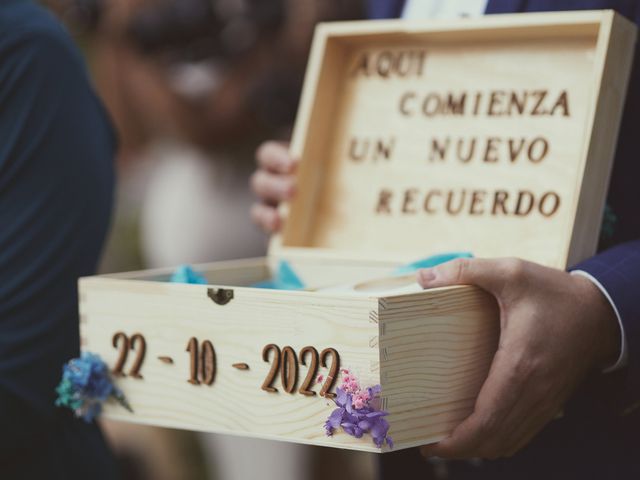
(512, 118)
(314, 272)
(435, 356)
(316, 114)
(242, 272)
(615, 52)
(430, 351)
(168, 315)
(506, 26)
(317, 273)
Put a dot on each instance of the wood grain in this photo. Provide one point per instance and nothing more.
(614, 57)
(576, 53)
(406, 343)
(435, 353)
(169, 314)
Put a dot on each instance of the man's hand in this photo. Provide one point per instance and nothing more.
(555, 328)
(273, 182)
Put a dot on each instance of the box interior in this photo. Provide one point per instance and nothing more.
(316, 275)
(335, 209)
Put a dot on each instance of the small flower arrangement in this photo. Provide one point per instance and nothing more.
(85, 385)
(358, 411)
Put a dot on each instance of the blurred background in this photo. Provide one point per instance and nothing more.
(193, 87)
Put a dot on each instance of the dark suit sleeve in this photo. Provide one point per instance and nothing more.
(56, 180)
(618, 271)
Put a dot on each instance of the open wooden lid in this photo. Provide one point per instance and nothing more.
(493, 135)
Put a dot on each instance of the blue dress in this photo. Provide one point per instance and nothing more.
(56, 184)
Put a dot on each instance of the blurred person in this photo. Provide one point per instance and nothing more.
(56, 179)
(232, 85)
(193, 87)
(591, 368)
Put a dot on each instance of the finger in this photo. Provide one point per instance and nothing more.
(488, 274)
(464, 442)
(533, 421)
(273, 188)
(266, 217)
(520, 425)
(525, 434)
(538, 404)
(498, 396)
(530, 419)
(275, 157)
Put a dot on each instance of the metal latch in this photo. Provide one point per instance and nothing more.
(221, 296)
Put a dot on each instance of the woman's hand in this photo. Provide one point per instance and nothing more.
(273, 182)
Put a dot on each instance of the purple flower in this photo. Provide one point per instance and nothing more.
(374, 391)
(359, 421)
(334, 420)
(379, 429)
(342, 398)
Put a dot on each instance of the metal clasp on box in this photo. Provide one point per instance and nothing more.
(221, 296)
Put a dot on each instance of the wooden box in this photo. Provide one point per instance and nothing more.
(493, 135)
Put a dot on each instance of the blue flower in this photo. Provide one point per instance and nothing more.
(89, 376)
(85, 385)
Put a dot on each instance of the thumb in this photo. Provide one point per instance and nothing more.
(487, 274)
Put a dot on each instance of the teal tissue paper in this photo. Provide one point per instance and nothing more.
(431, 261)
(186, 274)
(285, 278)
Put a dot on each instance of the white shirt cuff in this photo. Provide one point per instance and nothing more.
(622, 358)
